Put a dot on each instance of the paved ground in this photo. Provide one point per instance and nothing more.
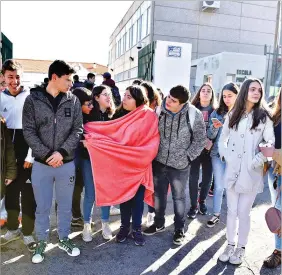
(198, 256)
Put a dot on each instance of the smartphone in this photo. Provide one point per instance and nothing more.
(215, 120)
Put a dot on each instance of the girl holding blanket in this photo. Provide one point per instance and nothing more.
(245, 127)
(96, 107)
(227, 100)
(121, 152)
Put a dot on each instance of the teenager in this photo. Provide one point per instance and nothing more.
(134, 97)
(183, 137)
(97, 106)
(205, 101)
(245, 127)
(20, 190)
(227, 99)
(52, 126)
(274, 180)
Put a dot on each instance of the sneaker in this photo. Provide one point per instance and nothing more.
(30, 243)
(67, 245)
(210, 193)
(11, 235)
(153, 229)
(203, 208)
(38, 254)
(274, 260)
(106, 231)
(150, 219)
(213, 221)
(122, 234)
(87, 233)
(77, 222)
(138, 238)
(237, 257)
(114, 211)
(228, 252)
(192, 213)
(178, 237)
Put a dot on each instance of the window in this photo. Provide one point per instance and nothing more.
(134, 35)
(144, 30)
(148, 20)
(127, 41)
(139, 28)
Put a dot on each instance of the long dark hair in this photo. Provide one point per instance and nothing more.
(196, 98)
(222, 109)
(97, 91)
(259, 110)
(153, 94)
(277, 111)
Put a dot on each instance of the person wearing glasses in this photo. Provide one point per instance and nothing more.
(96, 107)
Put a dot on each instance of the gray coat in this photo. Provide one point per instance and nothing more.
(175, 148)
(46, 131)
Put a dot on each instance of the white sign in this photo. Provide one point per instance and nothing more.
(174, 51)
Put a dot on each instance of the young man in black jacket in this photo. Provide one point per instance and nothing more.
(52, 123)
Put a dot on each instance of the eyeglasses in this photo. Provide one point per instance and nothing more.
(88, 104)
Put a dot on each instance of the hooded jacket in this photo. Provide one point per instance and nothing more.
(176, 149)
(46, 131)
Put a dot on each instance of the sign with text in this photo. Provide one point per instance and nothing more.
(173, 51)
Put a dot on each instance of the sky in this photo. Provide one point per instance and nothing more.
(70, 30)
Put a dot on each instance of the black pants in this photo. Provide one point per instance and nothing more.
(76, 197)
(205, 160)
(12, 201)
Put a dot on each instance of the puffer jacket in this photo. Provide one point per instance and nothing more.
(240, 149)
(46, 131)
(175, 148)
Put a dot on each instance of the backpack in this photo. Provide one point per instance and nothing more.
(116, 95)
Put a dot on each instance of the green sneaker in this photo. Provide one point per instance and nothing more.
(67, 245)
(38, 254)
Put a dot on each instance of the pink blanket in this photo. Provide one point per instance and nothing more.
(121, 153)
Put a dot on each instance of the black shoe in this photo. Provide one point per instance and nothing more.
(213, 221)
(203, 208)
(138, 238)
(77, 222)
(192, 213)
(153, 229)
(122, 234)
(178, 237)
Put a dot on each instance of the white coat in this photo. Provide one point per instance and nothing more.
(240, 149)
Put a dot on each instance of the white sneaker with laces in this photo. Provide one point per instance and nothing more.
(150, 219)
(228, 252)
(237, 257)
(114, 211)
(106, 231)
(11, 235)
(29, 242)
(87, 233)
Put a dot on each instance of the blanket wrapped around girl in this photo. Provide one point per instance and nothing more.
(121, 153)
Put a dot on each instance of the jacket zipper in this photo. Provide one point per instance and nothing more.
(169, 139)
(54, 136)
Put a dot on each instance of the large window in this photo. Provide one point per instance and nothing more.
(136, 29)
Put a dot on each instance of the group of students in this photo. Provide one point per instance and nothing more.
(132, 153)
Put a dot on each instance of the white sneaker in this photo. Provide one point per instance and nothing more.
(87, 233)
(29, 242)
(114, 211)
(11, 235)
(228, 252)
(237, 257)
(106, 231)
(150, 219)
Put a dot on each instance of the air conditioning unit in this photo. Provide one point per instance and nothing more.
(210, 5)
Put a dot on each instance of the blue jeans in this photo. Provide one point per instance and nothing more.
(134, 208)
(277, 204)
(163, 176)
(89, 196)
(218, 168)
